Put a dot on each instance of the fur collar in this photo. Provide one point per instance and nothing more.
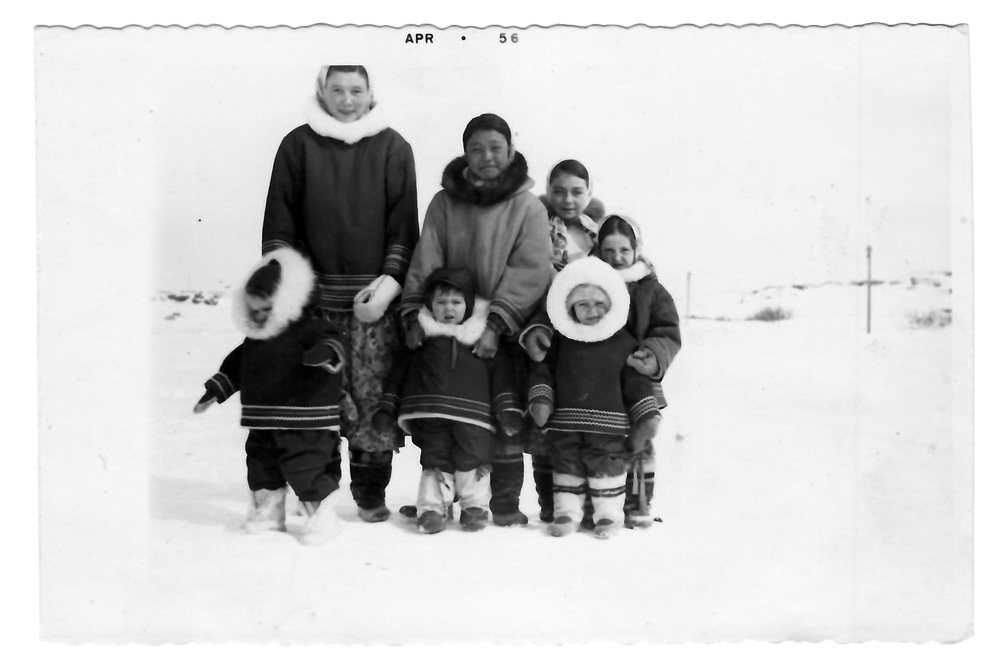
(514, 180)
(292, 295)
(467, 332)
(594, 271)
(592, 213)
(323, 124)
(640, 269)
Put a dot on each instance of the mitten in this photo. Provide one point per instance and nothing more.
(643, 361)
(323, 355)
(207, 400)
(642, 434)
(486, 345)
(382, 421)
(414, 334)
(536, 343)
(511, 422)
(348, 409)
(540, 412)
(371, 303)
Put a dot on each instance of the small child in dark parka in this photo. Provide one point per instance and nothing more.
(288, 371)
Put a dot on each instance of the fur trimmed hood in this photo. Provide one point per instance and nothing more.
(326, 125)
(640, 269)
(467, 332)
(292, 295)
(588, 271)
(515, 179)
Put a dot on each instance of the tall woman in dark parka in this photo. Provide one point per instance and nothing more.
(343, 191)
(486, 220)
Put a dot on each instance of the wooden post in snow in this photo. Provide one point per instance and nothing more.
(687, 302)
(869, 319)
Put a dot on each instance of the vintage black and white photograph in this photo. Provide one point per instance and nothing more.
(505, 334)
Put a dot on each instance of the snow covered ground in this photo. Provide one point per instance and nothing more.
(814, 483)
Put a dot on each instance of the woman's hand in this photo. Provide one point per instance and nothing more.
(537, 341)
(414, 335)
(643, 361)
(486, 345)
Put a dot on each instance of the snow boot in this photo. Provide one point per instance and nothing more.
(638, 493)
(323, 524)
(266, 512)
(562, 526)
(608, 493)
(542, 473)
(376, 515)
(370, 473)
(436, 486)
(605, 528)
(410, 511)
(431, 522)
(473, 488)
(505, 484)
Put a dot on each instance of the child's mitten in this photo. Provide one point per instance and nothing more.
(540, 412)
(643, 361)
(511, 422)
(642, 434)
(537, 341)
(323, 355)
(414, 333)
(382, 421)
(207, 400)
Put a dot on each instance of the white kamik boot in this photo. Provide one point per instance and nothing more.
(266, 512)
(608, 493)
(474, 497)
(323, 523)
(434, 497)
(568, 492)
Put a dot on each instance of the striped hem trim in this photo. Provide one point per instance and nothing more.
(658, 394)
(405, 418)
(588, 420)
(508, 311)
(617, 491)
(448, 401)
(331, 428)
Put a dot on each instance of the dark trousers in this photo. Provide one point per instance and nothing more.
(451, 445)
(587, 454)
(307, 460)
(370, 474)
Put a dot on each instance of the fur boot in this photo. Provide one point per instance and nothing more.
(437, 490)
(473, 488)
(323, 524)
(267, 511)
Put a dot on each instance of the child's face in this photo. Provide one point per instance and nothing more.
(617, 251)
(569, 195)
(488, 154)
(589, 304)
(347, 96)
(447, 305)
(260, 308)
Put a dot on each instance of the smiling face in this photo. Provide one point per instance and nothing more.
(588, 304)
(488, 154)
(447, 305)
(260, 308)
(347, 96)
(569, 195)
(617, 251)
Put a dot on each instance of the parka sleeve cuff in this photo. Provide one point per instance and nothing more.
(221, 387)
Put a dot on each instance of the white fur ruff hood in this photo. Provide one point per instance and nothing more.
(323, 124)
(290, 297)
(468, 332)
(640, 269)
(598, 273)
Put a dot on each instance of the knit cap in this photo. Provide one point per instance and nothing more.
(264, 282)
(486, 122)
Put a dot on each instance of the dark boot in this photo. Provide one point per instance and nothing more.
(633, 516)
(505, 484)
(370, 473)
(542, 472)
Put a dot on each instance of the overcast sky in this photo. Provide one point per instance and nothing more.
(750, 156)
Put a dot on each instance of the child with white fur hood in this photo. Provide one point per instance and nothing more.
(288, 371)
(588, 399)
